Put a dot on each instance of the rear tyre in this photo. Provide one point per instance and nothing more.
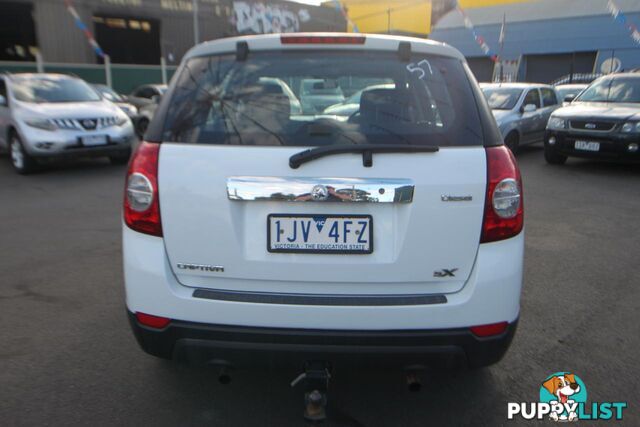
(21, 161)
(142, 126)
(512, 141)
(552, 157)
(120, 159)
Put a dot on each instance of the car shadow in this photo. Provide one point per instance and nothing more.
(356, 398)
(530, 149)
(576, 164)
(593, 167)
(78, 167)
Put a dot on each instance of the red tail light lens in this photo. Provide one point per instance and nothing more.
(489, 330)
(300, 39)
(141, 203)
(504, 205)
(152, 321)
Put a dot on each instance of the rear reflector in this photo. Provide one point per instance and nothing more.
(489, 330)
(152, 321)
(322, 39)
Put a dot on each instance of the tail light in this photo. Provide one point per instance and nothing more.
(503, 210)
(141, 203)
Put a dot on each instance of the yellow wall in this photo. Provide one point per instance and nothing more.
(484, 3)
(407, 16)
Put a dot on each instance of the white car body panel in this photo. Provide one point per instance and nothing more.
(411, 240)
(491, 294)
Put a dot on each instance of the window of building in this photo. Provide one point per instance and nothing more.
(17, 32)
(129, 40)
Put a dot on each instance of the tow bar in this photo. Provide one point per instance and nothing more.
(316, 378)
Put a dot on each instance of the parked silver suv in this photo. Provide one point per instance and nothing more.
(521, 110)
(55, 115)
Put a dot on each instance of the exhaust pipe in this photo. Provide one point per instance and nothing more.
(224, 377)
(224, 370)
(413, 382)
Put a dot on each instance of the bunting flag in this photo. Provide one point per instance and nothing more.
(344, 13)
(477, 37)
(621, 18)
(92, 41)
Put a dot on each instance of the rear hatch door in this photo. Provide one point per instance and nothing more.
(228, 192)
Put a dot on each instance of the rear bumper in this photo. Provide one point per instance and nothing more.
(200, 344)
(242, 331)
(491, 294)
(613, 147)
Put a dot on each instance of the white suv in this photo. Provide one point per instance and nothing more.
(392, 234)
(55, 115)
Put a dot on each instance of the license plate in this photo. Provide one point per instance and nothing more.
(587, 146)
(92, 140)
(320, 234)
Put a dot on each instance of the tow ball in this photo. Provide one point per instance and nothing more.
(315, 380)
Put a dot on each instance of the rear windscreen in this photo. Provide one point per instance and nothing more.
(320, 98)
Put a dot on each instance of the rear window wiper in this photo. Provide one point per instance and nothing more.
(367, 151)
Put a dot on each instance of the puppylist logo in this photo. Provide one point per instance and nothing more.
(563, 398)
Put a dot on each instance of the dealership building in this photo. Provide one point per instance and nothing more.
(545, 39)
(143, 31)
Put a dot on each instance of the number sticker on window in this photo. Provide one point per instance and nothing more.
(421, 67)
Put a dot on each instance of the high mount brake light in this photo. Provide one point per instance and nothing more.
(141, 198)
(504, 210)
(322, 39)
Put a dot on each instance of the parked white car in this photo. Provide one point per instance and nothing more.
(393, 235)
(54, 115)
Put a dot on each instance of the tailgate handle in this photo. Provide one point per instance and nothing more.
(295, 189)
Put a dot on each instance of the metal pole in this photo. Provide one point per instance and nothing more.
(573, 67)
(613, 55)
(107, 70)
(502, 37)
(163, 69)
(39, 62)
(196, 29)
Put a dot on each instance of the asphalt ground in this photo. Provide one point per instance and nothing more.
(67, 356)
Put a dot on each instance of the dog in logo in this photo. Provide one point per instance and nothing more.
(563, 387)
